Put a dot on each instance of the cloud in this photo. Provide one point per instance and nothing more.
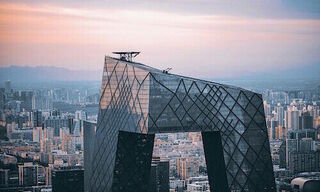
(284, 9)
(203, 45)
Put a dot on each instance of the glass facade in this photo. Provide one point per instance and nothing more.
(141, 101)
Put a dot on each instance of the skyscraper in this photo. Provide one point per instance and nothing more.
(7, 86)
(306, 121)
(2, 99)
(37, 118)
(159, 175)
(28, 174)
(4, 178)
(81, 115)
(274, 125)
(89, 129)
(292, 118)
(280, 114)
(138, 101)
(26, 100)
(70, 179)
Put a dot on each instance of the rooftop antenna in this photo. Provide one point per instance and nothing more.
(166, 70)
(126, 56)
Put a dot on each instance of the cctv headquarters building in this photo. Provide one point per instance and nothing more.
(138, 101)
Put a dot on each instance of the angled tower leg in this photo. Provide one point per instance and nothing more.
(133, 162)
(215, 161)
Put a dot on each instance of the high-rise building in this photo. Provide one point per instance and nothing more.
(159, 175)
(37, 134)
(80, 115)
(2, 99)
(37, 119)
(306, 121)
(267, 108)
(77, 127)
(68, 179)
(89, 129)
(280, 132)
(57, 122)
(4, 178)
(291, 146)
(28, 174)
(274, 125)
(26, 100)
(279, 114)
(292, 118)
(304, 161)
(316, 122)
(138, 101)
(68, 144)
(282, 155)
(64, 131)
(7, 86)
(306, 144)
(49, 174)
(314, 110)
(182, 168)
(301, 133)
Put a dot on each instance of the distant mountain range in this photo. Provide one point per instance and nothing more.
(46, 74)
(301, 76)
(302, 72)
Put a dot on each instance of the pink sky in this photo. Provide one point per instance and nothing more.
(201, 45)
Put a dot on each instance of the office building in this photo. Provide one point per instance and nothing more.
(138, 101)
(273, 127)
(89, 129)
(37, 134)
(28, 174)
(7, 86)
(68, 180)
(80, 115)
(279, 114)
(4, 178)
(159, 175)
(292, 118)
(26, 100)
(306, 121)
(304, 161)
(2, 99)
(37, 119)
(57, 122)
(291, 146)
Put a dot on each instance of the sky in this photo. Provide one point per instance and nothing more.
(199, 38)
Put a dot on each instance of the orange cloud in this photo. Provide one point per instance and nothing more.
(79, 37)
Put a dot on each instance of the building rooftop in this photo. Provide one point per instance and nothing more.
(164, 72)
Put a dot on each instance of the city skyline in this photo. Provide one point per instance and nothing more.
(159, 96)
(46, 131)
(204, 39)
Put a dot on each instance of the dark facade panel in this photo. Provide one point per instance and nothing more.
(139, 99)
(68, 180)
(215, 161)
(133, 161)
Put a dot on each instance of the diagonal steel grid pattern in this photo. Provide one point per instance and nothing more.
(136, 98)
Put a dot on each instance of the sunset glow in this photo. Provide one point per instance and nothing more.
(78, 37)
